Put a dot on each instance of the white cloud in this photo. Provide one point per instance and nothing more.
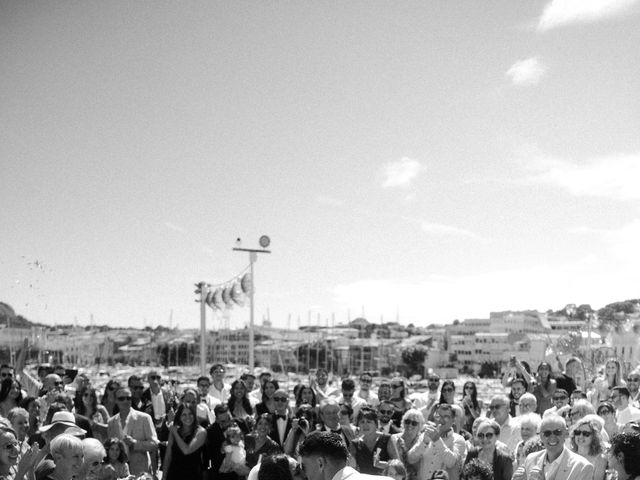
(440, 229)
(526, 72)
(401, 172)
(559, 13)
(616, 177)
(174, 227)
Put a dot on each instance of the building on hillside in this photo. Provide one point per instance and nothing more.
(526, 321)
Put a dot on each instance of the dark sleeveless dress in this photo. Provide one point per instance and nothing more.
(184, 466)
(364, 456)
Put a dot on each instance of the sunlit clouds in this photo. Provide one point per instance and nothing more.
(616, 176)
(526, 72)
(400, 173)
(559, 13)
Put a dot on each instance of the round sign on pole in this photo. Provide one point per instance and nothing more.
(264, 241)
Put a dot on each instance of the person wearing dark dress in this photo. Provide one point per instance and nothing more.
(259, 442)
(183, 458)
(372, 450)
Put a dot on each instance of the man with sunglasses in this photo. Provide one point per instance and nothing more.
(136, 430)
(427, 400)
(633, 384)
(281, 421)
(348, 396)
(560, 399)
(365, 392)
(624, 411)
(385, 412)
(555, 461)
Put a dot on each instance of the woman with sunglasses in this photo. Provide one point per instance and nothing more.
(471, 405)
(412, 423)
(109, 397)
(487, 453)
(372, 450)
(608, 413)
(399, 398)
(447, 395)
(587, 442)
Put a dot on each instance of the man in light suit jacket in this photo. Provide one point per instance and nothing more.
(136, 430)
(324, 457)
(555, 461)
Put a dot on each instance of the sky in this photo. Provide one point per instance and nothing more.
(409, 160)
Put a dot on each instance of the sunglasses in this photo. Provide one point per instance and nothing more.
(155, 377)
(6, 375)
(434, 379)
(488, 435)
(584, 433)
(122, 399)
(138, 387)
(547, 433)
(604, 412)
(633, 379)
(448, 389)
(386, 412)
(413, 423)
(280, 399)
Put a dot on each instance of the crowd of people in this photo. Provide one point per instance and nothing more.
(544, 425)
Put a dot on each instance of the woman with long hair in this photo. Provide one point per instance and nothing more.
(487, 453)
(109, 397)
(412, 424)
(86, 403)
(14, 465)
(259, 443)
(603, 385)
(470, 404)
(306, 395)
(372, 449)
(447, 395)
(116, 462)
(183, 457)
(10, 395)
(400, 399)
(587, 442)
(239, 404)
(544, 388)
(267, 405)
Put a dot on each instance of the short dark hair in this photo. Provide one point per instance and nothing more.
(221, 409)
(326, 444)
(367, 413)
(214, 366)
(246, 375)
(133, 378)
(203, 377)
(477, 469)
(275, 467)
(348, 384)
(622, 391)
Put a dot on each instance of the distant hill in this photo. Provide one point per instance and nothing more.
(17, 321)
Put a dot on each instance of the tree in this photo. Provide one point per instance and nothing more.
(413, 358)
(612, 316)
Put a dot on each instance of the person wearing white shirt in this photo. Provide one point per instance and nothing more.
(439, 448)
(219, 389)
(633, 384)
(509, 427)
(625, 412)
(365, 392)
(348, 396)
(429, 398)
